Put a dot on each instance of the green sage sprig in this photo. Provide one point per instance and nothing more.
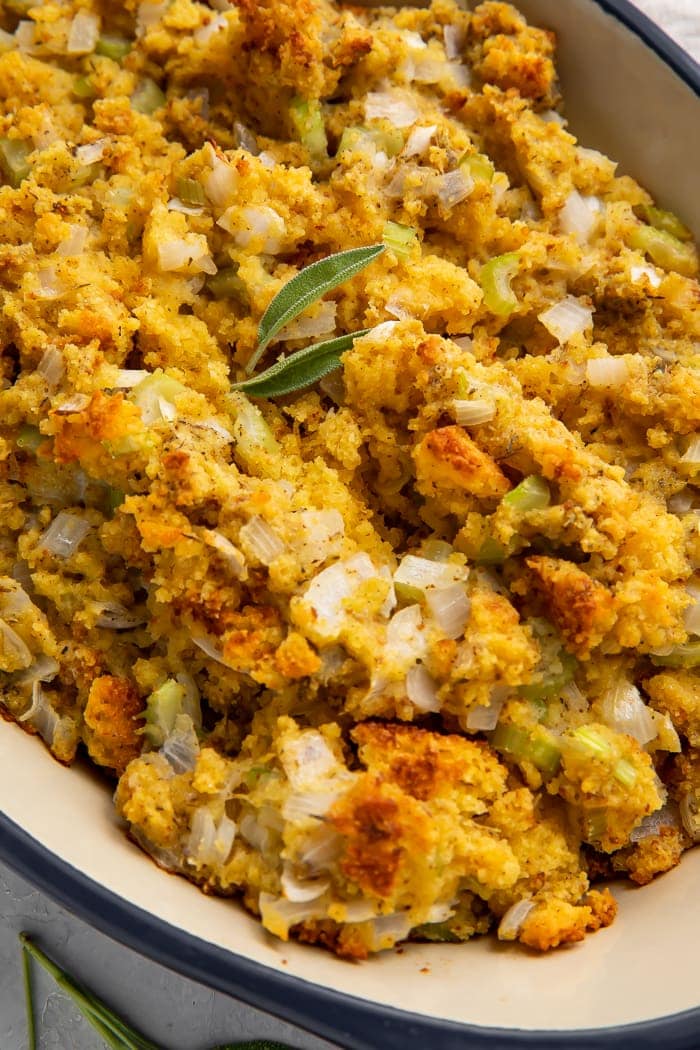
(306, 288)
(301, 369)
(116, 1033)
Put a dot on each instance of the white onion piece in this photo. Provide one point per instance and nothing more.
(210, 843)
(307, 759)
(91, 152)
(682, 502)
(454, 40)
(129, 377)
(566, 319)
(453, 187)
(450, 608)
(115, 616)
(221, 182)
(210, 649)
(14, 648)
(690, 815)
(175, 204)
(580, 215)
(511, 923)
(482, 718)
(358, 911)
(607, 372)
(464, 342)
(261, 540)
(419, 140)
(638, 273)
(323, 532)
(51, 366)
(471, 413)
(246, 138)
(405, 637)
(200, 95)
(267, 160)
(692, 453)
(250, 225)
(279, 915)
(320, 850)
(691, 616)
(423, 573)
(327, 592)
(42, 716)
(50, 284)
(181, 746)
(574, 700)
(25, 36)
(74, 243)
(168, 859)
(64, 535)
(149, 14)
(83, 33)
(14, 600)
(73, 404)
(217, 428)
(398, 107)
(624, 710)
(439, 913)
(388, 930)
(204, 33)
(320, 322)
(429, 68)
(43, 669)
(421, 690)
(308, 804)
(397, 308)
(666, 817)
(186, 253)
(301, 891)
(231, 555)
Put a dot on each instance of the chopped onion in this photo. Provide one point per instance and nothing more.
(607, 371)
(129, 377)
(168, 859)
(191, 252)
(210, 843)
(222, 181)
(690, 814)
(482, 718)
(231, 555)
(691, 616)
(471, 413)
(319, 850)
(14, 600)
(566, 319)
(398, 107)
(692, 453)
(25, 36)
(43, 669)
(454, 41)
(83, 33)
(91, 152)
(76, 403)
(352, 911)
(15, 650)
(279, 915)
(149, 14)
(423, 574)
(323, 532)
(262, 224)
(301, 891)
(574, 700)
(511, 923)
(328, 590)
(204, 33)
(246, 138)
(261, 540)
(421, 689)
(51, 366)
(50, 285)
(320, 322)
(181, 746)
(450, 608)
(406, 642)
(64, 535)
(580, 215)
(115, 616)
(638, 273)
(388, 930)
(308, 804)
(45, 720)
(682, 502)
(209, 648)
(419, 140)
(74, 243)
(624, 710)
(306, 759)
(453, 187)
(175, 204)
(430, 68)
(665, 817)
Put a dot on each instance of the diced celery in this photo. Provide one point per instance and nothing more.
(83, 87)
(538, 747)
(162, 708)
(190, 191)
(595, 824)
(148, 97)
(399, 239)
(591, 741)
(438, 932)
(307, 119)
(14, 164)
(86, 174)
(251, 431)
(687, 655)
(664, 249)
(29, 438)
(531, 494)
(389, 141)
(665, 220)
(478, 166)
(625, 773)
(495, 279)
(114, 499)
(407, 594)
(556, 668)
(226, 284)
(491, 552)
(115, 47)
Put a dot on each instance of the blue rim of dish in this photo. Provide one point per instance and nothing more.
(353, 1023)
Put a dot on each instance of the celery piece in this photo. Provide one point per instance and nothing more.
(84, 88)
(226, 284)
(595, 824)
(665, 250)
(664, 220)
(491, 552)
(29, 438)
(438, 932)
(687, 655)
(389, 141)
(113, 499)
(162, 708)
(86, 174)
(407, 594)
(437, 550)
(148, 97)
(495, 279)
(531, 494)
(591, 741)
(625, 773)
(399, 239)
(478, 166)
(552, 681)
(14, 165)
(307, 119)
(539, 748)
(190, 191)
(114, 47)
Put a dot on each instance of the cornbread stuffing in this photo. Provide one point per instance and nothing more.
(399, 640)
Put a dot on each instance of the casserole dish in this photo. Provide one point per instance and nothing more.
(625, 100)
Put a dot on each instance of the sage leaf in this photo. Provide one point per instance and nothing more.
(299, 370)
(307, 287)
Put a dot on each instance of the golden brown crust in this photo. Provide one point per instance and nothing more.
(448, 458)
(112, 722)
(295, 658)
(559, 922)
(582, 609)
(508, 53)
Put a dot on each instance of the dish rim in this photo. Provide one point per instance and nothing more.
(323, 1011)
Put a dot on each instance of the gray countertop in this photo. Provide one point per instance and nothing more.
(173, 1011)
